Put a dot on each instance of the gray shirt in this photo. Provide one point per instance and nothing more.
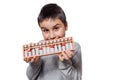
(51, 68)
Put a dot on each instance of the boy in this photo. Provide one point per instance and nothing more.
(63, 66)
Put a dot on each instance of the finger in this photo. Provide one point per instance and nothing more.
(68, 53)
(61, 56)
(36, 58)
(32, 59)
(71, 52)
(64, 55)
(27, 60)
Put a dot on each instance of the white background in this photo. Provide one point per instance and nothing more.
(95, 24)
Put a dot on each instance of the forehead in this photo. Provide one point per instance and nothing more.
(50, 22)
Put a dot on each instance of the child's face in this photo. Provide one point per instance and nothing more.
(53, 28)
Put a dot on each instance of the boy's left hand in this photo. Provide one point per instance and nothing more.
(66, 55)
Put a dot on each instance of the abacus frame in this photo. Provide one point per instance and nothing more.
(34, 46)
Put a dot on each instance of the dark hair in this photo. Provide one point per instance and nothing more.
(51, 11)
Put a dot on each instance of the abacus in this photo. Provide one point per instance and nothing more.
(48, 47)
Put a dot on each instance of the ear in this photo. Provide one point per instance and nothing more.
(66, 26)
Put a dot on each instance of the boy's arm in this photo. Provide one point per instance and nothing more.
(77, 60)
(33, 70)
(72, 68)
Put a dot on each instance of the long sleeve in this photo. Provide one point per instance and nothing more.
(77, 60)
(33, 70)
(72, 69)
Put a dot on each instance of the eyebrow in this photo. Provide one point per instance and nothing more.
(56, 25)
(46, 28)
(43, 27)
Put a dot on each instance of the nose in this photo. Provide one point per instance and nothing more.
(52, 35)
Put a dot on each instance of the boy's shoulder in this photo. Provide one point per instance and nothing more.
(76, 44)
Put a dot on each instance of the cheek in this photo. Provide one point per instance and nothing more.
(45, 36)
(60, 34)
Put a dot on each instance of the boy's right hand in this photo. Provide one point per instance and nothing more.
(32, 59)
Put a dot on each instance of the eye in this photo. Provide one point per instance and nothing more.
(56, 28)
(45, 30)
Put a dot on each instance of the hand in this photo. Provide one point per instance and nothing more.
(66, 55)
(32, 59)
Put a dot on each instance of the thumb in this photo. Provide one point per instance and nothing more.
(60, 57)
